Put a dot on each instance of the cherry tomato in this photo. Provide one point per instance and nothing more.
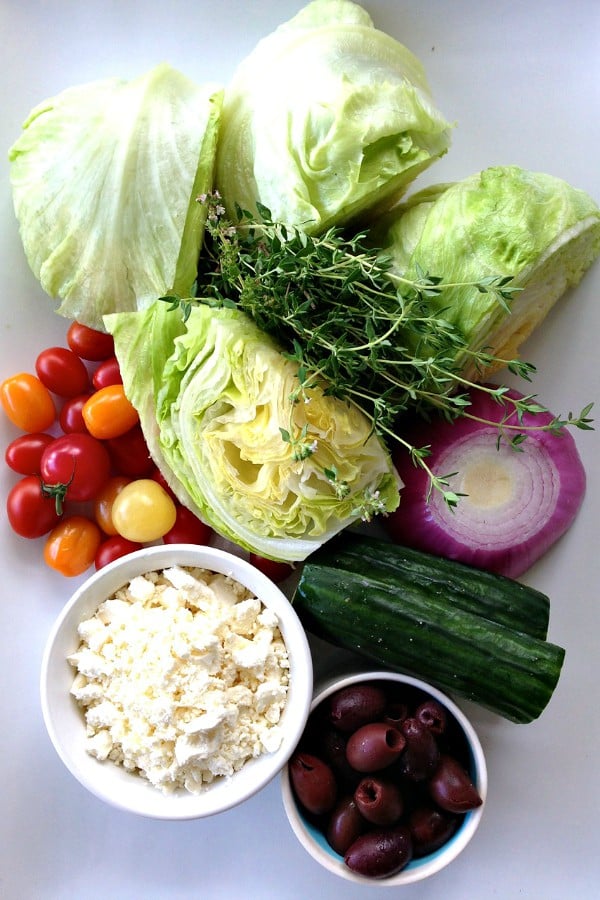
(274, 570)
(143, 511)
(129, 453)
(62, 371)
(188, 529)
(103, 503)
(113, 548)
(78, 461)
(88, 343)
(72, 545)
(30, 513)
(24, 454)
(27, 402)
(157, 475)
(70, 416)
(108, 372)
(108, 413)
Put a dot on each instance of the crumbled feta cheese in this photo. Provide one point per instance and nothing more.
(182, 676)
(100, 744)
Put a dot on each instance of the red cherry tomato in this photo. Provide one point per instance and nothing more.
(108, 372)
(274, 570)
(188, 529)
(72, 545)
(62, 371)
(108, 413)
(27, 402)
(129, 453)
(30, 513)
(114, 548)
(88, 343)
(71, 417)
(24, 454)
(157, 475)
(78, 461)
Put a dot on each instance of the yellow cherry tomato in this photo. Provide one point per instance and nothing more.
(71, 546)
(143, 511)
(108, 413)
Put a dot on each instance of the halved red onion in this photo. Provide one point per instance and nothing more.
(518, 503)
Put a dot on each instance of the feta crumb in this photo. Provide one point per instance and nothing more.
(100, 744)
(182, 677)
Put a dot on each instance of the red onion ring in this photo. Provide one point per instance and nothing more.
(519, 503)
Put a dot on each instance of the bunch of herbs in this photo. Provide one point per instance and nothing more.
(347, 322)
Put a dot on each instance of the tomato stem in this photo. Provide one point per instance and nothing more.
(58, 491)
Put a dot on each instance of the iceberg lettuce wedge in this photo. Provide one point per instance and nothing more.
(277, 477)
(326, 118)
(505, 221)
(105, 177)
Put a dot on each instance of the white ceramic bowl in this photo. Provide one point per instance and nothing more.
(64, 718)
(314, 841)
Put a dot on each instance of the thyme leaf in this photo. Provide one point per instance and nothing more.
(347, 321)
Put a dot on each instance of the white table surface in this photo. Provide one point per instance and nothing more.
(522, 81)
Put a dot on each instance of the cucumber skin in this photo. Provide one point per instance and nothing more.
(506, 671)
(496, 597)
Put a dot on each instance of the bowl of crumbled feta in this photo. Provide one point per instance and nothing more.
(176, 682)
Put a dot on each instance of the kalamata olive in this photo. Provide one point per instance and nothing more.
(332, 745)
(345, 825)
(313, 783)
(379, 801)
(395, 714)
(374, 746)
(433, 715)
(421, 754)
(313, 730)
(452, 788)
(380, 853)
(356, 705)
(430, 828)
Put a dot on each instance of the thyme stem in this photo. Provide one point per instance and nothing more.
(333, 302)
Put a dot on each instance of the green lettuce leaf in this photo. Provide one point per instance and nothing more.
(213, 395)
(326, 118)
(105, 177)
(505, 221)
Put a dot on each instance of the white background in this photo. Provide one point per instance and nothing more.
(522, 81)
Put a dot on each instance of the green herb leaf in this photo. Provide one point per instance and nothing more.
(371, 337)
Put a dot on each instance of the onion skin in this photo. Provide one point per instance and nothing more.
(503, 526)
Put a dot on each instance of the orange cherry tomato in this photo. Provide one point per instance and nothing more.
(103, 503)
(72, 545)
(108, 413)
(27, 402)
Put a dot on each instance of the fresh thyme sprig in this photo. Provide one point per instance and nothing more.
(348, 322)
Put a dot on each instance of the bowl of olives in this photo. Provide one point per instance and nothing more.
(388, 781)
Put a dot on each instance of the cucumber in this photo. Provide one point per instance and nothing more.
(500, 599)
(508, 671)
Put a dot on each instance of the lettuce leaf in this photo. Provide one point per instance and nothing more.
(105, 177)
(213, 395)
(505, 221)
(326, 118)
